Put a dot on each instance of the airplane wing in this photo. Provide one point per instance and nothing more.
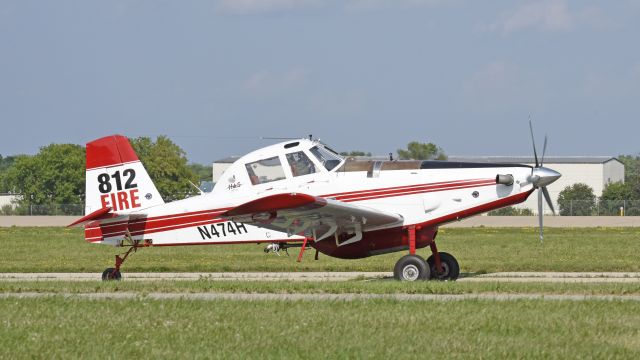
(313, 216)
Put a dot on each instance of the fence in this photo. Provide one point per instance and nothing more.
(599, 208)
(55, 209)
(578, 208)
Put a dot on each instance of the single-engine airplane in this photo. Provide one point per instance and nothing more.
(301, 193)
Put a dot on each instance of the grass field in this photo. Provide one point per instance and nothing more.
(478, 250)
(59, 327)
(64, 328)
(310, 287)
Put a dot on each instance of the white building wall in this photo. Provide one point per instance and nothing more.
(613, 172)
(6, 199)
(218, 169)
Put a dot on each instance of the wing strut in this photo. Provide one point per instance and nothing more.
(304, 246)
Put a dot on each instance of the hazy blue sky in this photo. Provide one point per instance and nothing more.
(359, 74)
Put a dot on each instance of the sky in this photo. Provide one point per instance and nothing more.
(372, 75)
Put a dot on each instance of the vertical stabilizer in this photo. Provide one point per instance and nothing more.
(116, 178)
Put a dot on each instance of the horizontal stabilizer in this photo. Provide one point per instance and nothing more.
(102, 213)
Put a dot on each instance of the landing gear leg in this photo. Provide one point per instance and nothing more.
(114, 273)
(411, 267)
(442, 265)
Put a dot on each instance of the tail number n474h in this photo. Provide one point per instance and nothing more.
(221, 229)
(125, 197)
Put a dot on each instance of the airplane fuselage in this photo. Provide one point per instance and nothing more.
(424, 197)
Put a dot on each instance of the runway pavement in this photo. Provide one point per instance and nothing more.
(559, 277)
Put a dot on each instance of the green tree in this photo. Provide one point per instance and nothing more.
(202, 172)
(631, 166)
(577, 200)
(422, 151)
(614, 196)
(5, 164)
(167, 166)
(631, 174)
(617, 191)
(53, 176)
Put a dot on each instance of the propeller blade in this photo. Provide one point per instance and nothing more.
(535, 154)
(544, 150)
(540, 214)
(545, 192)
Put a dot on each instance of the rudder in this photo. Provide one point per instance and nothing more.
(116, 178)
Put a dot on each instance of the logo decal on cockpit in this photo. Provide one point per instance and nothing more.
(233, 184)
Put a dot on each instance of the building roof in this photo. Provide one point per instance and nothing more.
(228, 160)
(530, 160)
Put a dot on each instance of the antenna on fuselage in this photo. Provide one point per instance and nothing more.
(195, 186)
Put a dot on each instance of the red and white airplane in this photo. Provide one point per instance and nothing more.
(301, 193)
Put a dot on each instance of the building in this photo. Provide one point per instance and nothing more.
(8, 201)
(595, 171)
(219, 166)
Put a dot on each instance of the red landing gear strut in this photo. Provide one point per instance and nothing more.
(412, 267)
(114, 272)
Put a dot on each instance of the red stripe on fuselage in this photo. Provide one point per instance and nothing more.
(414, 190)
(401, 187)
(142, 226)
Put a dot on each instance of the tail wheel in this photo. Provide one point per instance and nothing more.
(411, 268)
(111, 274)
(450, 267)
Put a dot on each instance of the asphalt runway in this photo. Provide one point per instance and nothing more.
(557, 277)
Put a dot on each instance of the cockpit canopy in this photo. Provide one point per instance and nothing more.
(282, 161)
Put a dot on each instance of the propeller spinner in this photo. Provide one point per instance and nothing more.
(540, 178)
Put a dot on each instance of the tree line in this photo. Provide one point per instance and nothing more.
(56, 174)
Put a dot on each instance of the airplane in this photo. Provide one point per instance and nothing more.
(301, 193)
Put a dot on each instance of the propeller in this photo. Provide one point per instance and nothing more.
(540, 178)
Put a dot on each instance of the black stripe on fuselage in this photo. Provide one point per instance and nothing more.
(440, 164)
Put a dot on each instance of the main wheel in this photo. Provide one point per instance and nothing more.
(411, 268)
(450, 267)
(111, 274)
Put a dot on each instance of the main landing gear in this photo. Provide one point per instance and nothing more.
(113, 273)
(439, 266)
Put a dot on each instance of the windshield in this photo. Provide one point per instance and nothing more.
(327, 158)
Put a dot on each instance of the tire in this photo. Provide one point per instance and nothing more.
(111, 274)
(411, 268)
(449, 265)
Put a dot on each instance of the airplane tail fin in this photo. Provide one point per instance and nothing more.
(116, 179)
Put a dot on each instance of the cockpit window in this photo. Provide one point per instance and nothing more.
(300, 164)
(329, 159)
(265, 170)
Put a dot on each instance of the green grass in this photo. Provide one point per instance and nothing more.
(55, 327)
(381, 329)
(281, 287)
(478, 250)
